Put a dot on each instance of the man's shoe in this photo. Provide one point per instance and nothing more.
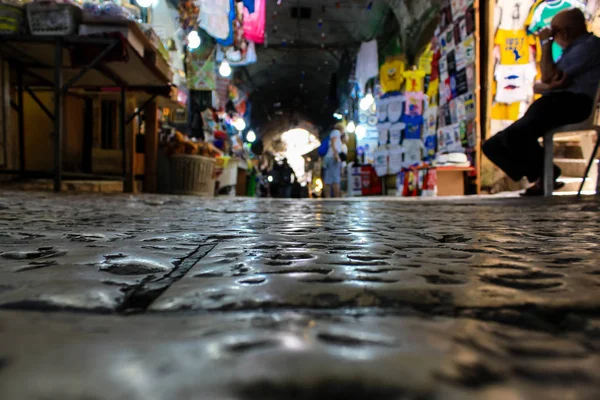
(538, 189)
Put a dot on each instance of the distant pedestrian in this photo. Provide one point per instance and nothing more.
(333, 161)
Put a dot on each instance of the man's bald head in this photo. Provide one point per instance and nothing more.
(573, 21)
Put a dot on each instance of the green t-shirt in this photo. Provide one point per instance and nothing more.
(545, 12)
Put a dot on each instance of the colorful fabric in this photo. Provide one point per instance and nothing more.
(391, 76)
(250, 5)
(413, 126)
(215, 18)
(414, 103)
(514, 82)
(201, 73)
(514, 45)
(433, 91)
(254, 24)
(415, 80)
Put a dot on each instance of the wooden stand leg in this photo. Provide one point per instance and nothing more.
(151, 150)
(129, 150)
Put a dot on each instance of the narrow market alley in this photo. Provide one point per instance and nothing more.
(162, 297)
(299, 199)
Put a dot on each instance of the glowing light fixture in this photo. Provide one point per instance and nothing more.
(251, 137)
(225, 69)
(145, 3)
(338, 116)
(270, 178)
(361, 132)
(193, 40)
(239, 124)
(351, 127)
(366, 102)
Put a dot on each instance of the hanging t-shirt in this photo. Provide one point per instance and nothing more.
(415, 80)
(396, 133)
(446, 41)
(413, 126)
(383, 130)
(514, 46)
(433, 91)
(412, 152)
(395, 159)
(429, 132)
(543, 12)
(469, 45)
(395, 108)
(435, 65)
(367, 64)
(382, 109)
(514, 82)
(391, 76)
(512, 14)
(414, 103)
(426, 59)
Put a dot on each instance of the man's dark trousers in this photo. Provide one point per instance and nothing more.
(516, 149)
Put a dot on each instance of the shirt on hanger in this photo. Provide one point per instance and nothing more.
(415, 80)
(515, 46)
(413, 126)
(391, 76)
(433, 91)
(514, 82)
(414, 103)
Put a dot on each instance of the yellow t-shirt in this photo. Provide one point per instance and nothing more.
(391, 76)
(425, 60)
(433, 91)
(514, 46)
(415, 80)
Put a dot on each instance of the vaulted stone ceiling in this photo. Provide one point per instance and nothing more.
(292, 80)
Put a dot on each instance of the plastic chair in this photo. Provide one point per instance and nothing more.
(590, 124)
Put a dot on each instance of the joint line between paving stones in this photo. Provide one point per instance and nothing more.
(140, 298)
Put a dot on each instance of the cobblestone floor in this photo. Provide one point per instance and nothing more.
(147, 297)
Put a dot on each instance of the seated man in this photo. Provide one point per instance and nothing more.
(568, 89)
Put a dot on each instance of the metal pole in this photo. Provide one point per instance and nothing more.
(21, 119)
(58, 116)
(122, 125)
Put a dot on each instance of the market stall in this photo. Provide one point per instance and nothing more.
(55, 49)
(418, 114)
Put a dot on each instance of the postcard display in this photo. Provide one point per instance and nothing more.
(429, 109)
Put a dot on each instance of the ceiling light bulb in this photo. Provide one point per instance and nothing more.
(251, 137)
(225, 69)
(361, 132)
(351, 127)
(239, 124)
(145, 3)
(338, 116)
(194, 40)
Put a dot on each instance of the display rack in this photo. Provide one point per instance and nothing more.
(66, 63)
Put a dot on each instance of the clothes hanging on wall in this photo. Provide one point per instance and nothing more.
(254, 24)
(367, 63)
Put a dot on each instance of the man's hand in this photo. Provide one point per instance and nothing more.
(559, 80)
(545, 34)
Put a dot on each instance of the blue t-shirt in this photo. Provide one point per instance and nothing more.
(414, 124)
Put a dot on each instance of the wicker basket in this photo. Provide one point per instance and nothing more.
(192, 175)
(46, 18)
(11, 17)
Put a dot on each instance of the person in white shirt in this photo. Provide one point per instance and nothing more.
(333, 160)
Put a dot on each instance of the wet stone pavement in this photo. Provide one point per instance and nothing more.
(148, 297)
